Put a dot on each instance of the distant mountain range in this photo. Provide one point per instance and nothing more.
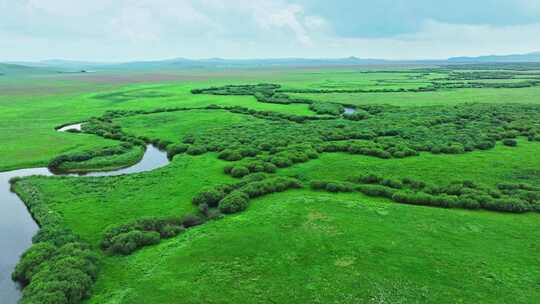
(204, 63)
(530, 57)
(18, 69)
(68, 66)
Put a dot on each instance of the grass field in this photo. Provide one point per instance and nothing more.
(445, 97)
(306, 247)
(299, 246)
(519, 164)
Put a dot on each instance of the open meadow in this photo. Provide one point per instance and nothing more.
(351, 184)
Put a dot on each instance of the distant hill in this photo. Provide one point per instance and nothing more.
(8, 69)
(200, 63)
(179, 63)
(69, 66)
(531, 57)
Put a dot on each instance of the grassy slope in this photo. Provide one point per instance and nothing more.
(306, 247)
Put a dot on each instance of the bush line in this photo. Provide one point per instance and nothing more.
(515, 198)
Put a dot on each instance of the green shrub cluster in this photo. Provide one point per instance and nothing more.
(391, 131)
(369, 148)
(326, 108)
(57, 274)
(234, 202)
(271, 93)
(127, 238)
(175, 149)
(357, 115)
(332, 186)
(356, 91)
(246, 90)
(270, 185)
(238, 153)
(510, 142)
(277, 158)
(238, 200)
(516, 198)
(489, 85)
(235, 198)
(58, 267)
(56, 163)
(105, 127)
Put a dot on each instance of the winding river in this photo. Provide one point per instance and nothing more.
(17, 225)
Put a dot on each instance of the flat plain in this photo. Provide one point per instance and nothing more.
(428, 191)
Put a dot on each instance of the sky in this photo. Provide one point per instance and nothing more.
(126, 30)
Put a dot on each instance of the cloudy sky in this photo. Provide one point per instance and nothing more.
(122, 30)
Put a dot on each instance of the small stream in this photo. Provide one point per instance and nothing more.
(17, 225)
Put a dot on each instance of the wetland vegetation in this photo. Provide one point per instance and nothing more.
(329, 185)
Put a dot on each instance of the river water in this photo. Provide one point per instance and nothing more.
(17, 225)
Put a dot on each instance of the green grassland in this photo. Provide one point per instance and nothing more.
(106, 201)
(502, 164)
(174, 126)
(443, 97)
(299, 246)
(305, 247)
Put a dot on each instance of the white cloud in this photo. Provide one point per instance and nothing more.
(441, 40)
(144, 29)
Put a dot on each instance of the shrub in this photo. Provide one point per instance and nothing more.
(65, 274)
(31, 260)
(55, 235)
(126, 238)
(126, 243)
(318, 185)
(208, 196)
(189, 139)
(338, 187)
(369, 179)
(507, 205)
(271, 185)
(230, 155)
(414, 184)
(485, 145)
(196, 150)
(248, 152)
(169, 231)
(191, 220)
(236, 201)
(214, 214)
(392, 183)
(358, 115)
(227, 169)
(239, 171)
(376, 190)
(176, 149)
(510, 142)
(281, 161)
